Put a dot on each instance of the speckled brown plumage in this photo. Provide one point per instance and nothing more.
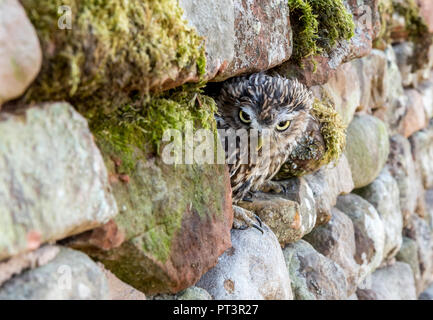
(267, 101)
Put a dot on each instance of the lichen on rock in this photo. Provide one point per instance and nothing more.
(112, 49)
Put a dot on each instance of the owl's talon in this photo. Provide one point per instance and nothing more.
(259, 220)
(244, 219)
(249, 197)
(258, 228)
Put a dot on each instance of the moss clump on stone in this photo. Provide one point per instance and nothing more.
(113, 49)
(417, 30)
(130, 140)
(323, 143)
(155, 199)
(386, 10)
(415, 26)
(318, 25)
(332, 129)
(132, 126)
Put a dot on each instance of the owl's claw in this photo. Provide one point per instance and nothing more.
(244, 219)
(260, 224)
(259, 220)
(258, 228)
(249, 198)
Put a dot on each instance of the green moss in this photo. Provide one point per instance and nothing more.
(386, 10)
(133, 126)
(417, 29)
(415, 26)
(132, 134)
(318, 25)
(114, 48)
(319, 147)
(128, 137)
(332, 130)
(155, 201)
(306, 27)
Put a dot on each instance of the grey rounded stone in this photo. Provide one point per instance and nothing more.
(383, 194)
(253, 268)
(367, 148)
(313, 276)
(71, 275)
(369, 232)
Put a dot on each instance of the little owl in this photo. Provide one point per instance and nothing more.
(279, 110)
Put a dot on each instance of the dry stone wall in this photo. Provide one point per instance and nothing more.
(88, 210)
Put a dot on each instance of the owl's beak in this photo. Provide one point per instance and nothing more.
(259, 143)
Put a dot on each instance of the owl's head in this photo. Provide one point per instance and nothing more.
(260, 101)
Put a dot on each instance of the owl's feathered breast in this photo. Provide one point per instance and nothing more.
(268, 97)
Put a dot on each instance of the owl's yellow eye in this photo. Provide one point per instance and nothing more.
(245, 117)
(283, 125)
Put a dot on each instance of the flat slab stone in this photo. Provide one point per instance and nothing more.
(53, 181)
(241, 36)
